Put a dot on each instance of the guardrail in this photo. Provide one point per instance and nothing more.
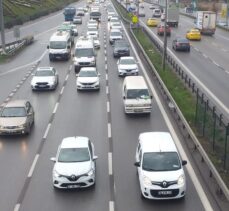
(176, 111)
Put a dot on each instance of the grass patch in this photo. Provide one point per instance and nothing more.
(184, 99)
(122, 11)
(3, 58)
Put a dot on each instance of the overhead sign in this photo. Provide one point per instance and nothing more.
(135, 19)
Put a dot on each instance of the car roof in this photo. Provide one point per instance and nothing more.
(157, 142)
(75, 142)
(16, 103)
(135, 82)
(115, 30)
(127, 57)
(44, 68)
(87, 69)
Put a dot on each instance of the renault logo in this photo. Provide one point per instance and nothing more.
(164, 183)
(73, 177)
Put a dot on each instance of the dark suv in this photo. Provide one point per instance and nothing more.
(121, 48)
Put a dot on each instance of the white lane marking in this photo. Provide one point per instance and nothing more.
(18, 86)
(109, 130)
(218, 35)
(105, 59)
(227, 71)
(105, 52)
(111, 206)
(17, 207)
(106, 77)
(66, 78)
(62, 90)
(216, 64)
(7, 99)
(107, 90)
(108, 106)
(195, 181)
(14, 90)
(33, 165)
(55, 109)
(224, 50)
(105, 66)
(224, 107)
(205, 56)
(23, 66)
(11, 94)
(46, 131)
(110, 163)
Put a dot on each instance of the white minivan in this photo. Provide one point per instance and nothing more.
(159, 167)
(136, 96)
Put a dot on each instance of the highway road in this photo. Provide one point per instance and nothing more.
(26, 169)
(207, 59)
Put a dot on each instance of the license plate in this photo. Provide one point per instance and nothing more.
(168, 192)
(73, 186)
(138, 110)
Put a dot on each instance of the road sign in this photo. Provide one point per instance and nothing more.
(135, 19)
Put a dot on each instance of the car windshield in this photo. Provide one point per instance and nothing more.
(121, 44)
(87, 74)
(58, 44)
(13, 112)
(84, 52)
(44, 73)
(95, 14)
(115, 34)
(73, 155)
(161, 161)
(183, 40)
(137, 93)
(127, 61)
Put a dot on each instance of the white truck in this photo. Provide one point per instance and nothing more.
(173, 14)
(206, 22)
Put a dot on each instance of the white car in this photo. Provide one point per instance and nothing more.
(159, 167)
(88, 79)
(127, 66)
(92, 31)
(116, 26)
(92, 23)
(96, 42)
(74, 163)
(110, 14)
(45, 78)
(115, 34)
(74, 29)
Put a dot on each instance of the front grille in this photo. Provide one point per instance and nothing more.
(87, 84)
(164, 184)
(84, 63)
(164, 193)
(80, 184)
(10, 127)
(73, 178)
(42, 83)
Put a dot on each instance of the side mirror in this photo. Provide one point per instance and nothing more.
(137, 164)
(95, 157)
(124, 97)
(68, 47)
(77, 75)
(184, 162)
(47, 46)
(53, 159)
(99, 74)
(151, 96)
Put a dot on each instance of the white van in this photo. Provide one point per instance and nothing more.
(84, 53)
(159, 166)
(157, 13)
(60, 46)
(136, 96)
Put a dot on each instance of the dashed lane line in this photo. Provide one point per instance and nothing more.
(110, 168)
(111, 205)
(46, 131)
(17, 207)
(33, 165)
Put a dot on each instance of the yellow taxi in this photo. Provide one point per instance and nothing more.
(193, 34)
(152, 22)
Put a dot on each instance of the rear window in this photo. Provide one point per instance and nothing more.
(95, 14)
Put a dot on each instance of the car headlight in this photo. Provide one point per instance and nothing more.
(21, 126)
(146, 181)
(181, 180)
(1, 127)
(56, 174)
(90, 173)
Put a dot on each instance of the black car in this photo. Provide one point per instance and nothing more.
(181, 44)
(121, 48)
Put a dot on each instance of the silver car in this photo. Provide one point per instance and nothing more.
(16, 117)
(45, 78)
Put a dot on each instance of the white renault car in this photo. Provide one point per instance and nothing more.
(127, 66)
(88, 78)
(45, 78)
(74, 163)
(159, 166)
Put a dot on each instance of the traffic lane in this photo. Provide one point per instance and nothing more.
(80, 113)
(18, 151)
(125, 132)
(39, 25)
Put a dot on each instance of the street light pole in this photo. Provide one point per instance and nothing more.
(165, 37)
(2, 28)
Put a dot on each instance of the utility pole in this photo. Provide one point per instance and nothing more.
(227, 13)
(165, 37)
(2, 28)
